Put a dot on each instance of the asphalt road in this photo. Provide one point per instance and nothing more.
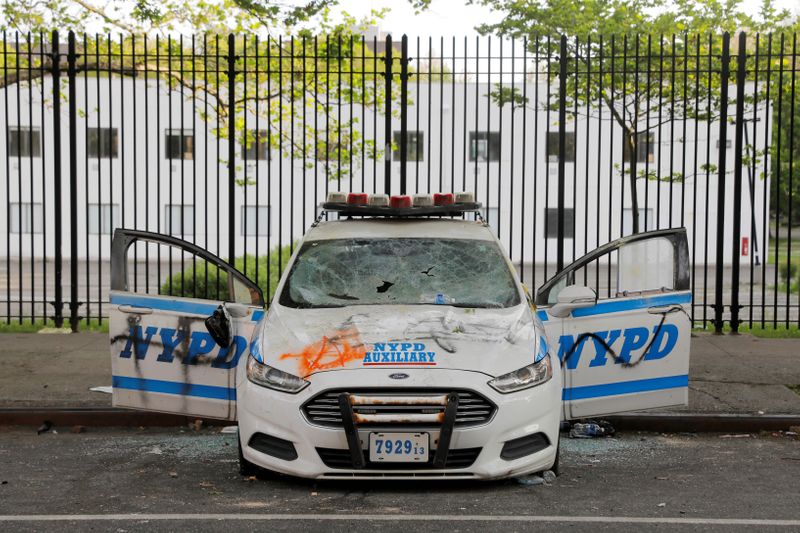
(163, 480)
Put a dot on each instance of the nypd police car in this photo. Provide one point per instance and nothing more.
(401, 343)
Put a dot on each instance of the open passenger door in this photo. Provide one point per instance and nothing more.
(629, 349)
(181, 319)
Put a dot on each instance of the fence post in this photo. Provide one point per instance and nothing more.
(721, 170)
(741, 73)
(73, 184)
(562, 140)
(55, 74)
(231, 148)
(387, 130)
(403, 113)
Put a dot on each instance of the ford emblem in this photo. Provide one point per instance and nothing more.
(398, 375)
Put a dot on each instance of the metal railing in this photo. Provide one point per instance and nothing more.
(232, 142)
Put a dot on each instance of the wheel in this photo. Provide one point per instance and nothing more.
(246, 468)
(556, 468)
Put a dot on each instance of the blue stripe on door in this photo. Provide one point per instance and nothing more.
(625, 387)
(617, 306)
(174, 387)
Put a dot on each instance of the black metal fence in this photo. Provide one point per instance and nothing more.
(232, 142)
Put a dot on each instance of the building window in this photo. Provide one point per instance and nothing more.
(484, 146)
(102, 143)
(103, 218)
(645, 220)
(24, 142)
(552, 147)
(256, 146)
(645, 148)
(255, 220)
(416, 149)
(179, 219)
(179, 144)
(551, 223)
(26, 218)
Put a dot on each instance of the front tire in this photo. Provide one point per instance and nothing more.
(246, 468)
(556, 468)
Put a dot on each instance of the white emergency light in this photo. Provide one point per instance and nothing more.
(422, 200)
(335, 197)
(378, 200)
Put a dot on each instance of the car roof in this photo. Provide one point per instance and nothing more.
(400, 228)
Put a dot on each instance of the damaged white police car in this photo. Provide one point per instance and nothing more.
(400, 343)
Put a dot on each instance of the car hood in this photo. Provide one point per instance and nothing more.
(307, 341)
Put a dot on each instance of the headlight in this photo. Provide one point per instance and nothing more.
(266, 376)
(524, 378)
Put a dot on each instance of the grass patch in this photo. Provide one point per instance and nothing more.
(756, 330)
(794, 388)
(35, 326)
(782, 248)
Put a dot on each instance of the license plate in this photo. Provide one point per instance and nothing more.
(398, 447)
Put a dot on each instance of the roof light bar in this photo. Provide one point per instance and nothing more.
(401, 205)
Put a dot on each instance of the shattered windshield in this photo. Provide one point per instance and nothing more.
(458, 272)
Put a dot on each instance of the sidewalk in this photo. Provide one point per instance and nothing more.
(729, 374)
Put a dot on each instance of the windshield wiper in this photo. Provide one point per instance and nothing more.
(476, 305)
(342, 296)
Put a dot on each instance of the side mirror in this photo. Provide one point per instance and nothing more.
(219, 326)
(571, 298)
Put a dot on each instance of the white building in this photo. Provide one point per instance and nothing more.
(136, 169)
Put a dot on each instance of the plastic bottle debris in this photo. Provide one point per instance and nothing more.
(590, 430)
(549, 476)
(45, 427)
(105, 389)
(531, 480)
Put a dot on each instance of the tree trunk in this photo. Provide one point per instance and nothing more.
(632, 157)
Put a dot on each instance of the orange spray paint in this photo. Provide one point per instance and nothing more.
(329, 352)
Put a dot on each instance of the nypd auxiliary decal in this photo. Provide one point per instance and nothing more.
(399, 353)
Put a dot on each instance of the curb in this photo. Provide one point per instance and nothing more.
(656, 422)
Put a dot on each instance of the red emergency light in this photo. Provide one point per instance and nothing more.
(400, 202)
(357, 198)
(443, 198)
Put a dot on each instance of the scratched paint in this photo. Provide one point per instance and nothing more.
(329, 352)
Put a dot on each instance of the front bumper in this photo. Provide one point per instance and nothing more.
(524, 413)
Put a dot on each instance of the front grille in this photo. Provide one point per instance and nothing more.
(473, 409)
(334, 458)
